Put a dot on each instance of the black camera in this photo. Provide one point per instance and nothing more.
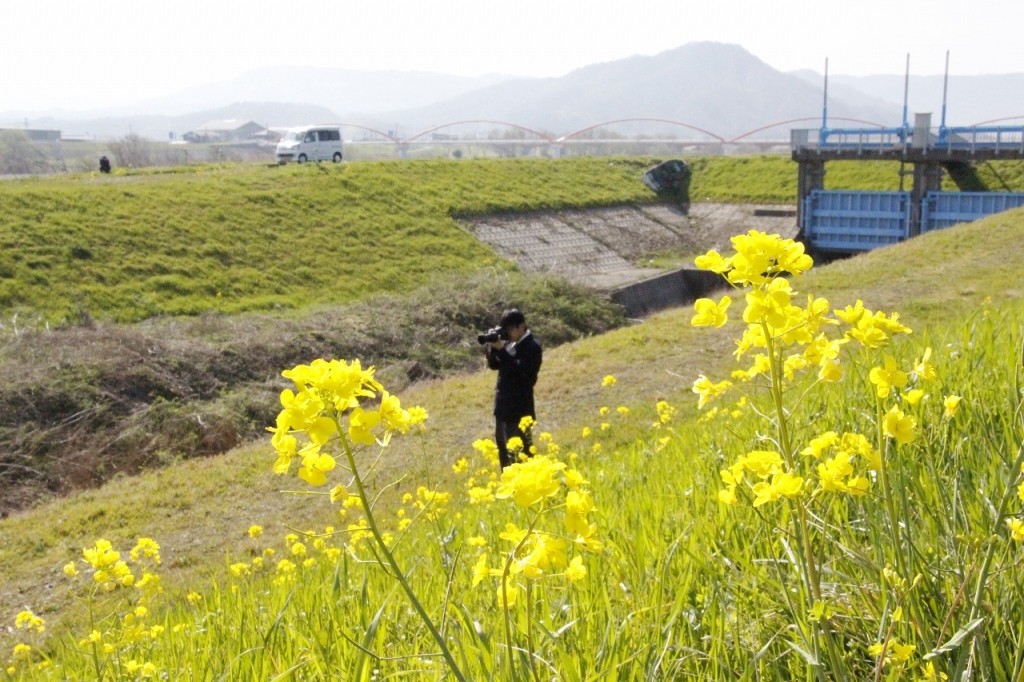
(492, 335)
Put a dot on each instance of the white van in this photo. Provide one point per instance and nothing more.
(310, 143)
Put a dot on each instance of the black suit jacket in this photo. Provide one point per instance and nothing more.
(517, 367)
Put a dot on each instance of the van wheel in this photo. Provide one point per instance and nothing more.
(302, 158)
(337, 157)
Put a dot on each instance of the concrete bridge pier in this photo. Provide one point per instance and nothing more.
(810, 176)
(927, 178)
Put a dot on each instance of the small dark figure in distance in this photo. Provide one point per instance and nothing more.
(516, 354)
(104, 164)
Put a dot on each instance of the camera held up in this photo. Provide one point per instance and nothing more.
(492, 335)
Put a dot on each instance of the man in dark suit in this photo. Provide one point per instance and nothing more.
(518, 362)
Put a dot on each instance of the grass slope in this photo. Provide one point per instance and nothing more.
(256, 238)
(200, 509)
(246, 237)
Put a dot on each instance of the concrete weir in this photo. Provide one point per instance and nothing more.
(612, 249)
(669, 290)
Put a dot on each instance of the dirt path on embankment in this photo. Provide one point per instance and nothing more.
(609, 247)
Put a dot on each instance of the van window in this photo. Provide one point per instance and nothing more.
(310, 137)
(330, 135)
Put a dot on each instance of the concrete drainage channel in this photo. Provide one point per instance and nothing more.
(608, 248)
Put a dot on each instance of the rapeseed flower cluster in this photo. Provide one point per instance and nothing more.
(541, 485)
(325, 391)
(788, 340)
(115, 639)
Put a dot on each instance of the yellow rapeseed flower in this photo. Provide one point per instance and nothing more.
(852, 313)
(761, 463)
(579, 503)
(339, 494)
(783, 484)
(709, 314)
(480, 569)
(576, 570)
(819, 445)
(417, 415)
(929, 674)
(1016, 528)
(102, 556)
(508, 592)
(574, 479)
(707, 390)
(714, 262)
(255, 531)
(530, 481)
(830, 370)
(488, 449)
(924, 370)
(609, 380)
(887, 377)
(769, 304)
(26, 620)
(952, 405)
(913, 397)
(315, 465)
(900, 426)
(392, 414)
(361, 424)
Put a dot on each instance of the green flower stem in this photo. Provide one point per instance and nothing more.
(529, 629)
(883, 473)
(803, 525)
(399, 574)
(979, 591)
(504, 593)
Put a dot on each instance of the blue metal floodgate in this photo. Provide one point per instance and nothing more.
(855, 221)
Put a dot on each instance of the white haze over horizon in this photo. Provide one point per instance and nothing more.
(75, 56)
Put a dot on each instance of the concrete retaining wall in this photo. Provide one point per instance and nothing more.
(677, 288)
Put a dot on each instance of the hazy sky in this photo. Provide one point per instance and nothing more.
(103, 53)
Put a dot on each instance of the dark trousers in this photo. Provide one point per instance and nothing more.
(504, 430)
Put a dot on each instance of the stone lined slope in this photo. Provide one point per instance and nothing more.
(605, 247)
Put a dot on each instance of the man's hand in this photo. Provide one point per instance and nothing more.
(497, 345)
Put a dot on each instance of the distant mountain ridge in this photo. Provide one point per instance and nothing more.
(348, 92)
(718, 87)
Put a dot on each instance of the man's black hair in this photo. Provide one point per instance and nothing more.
(512, 318)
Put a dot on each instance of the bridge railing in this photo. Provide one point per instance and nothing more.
(981, 137)
(973, 138)
(858, 139)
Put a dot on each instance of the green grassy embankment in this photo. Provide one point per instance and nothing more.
(256, 238)
(239, 238)
(199, 510)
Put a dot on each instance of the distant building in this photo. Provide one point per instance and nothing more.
(38, 135)
(229, 130)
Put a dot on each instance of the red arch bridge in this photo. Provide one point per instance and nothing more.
(507, 134)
